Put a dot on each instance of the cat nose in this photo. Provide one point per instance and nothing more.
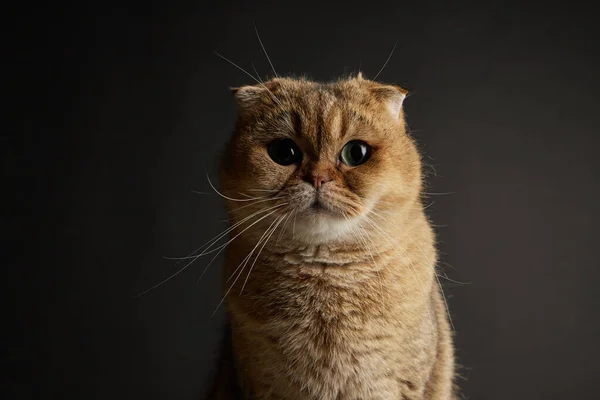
(319, 179)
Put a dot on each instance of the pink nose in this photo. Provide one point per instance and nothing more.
(319, 180)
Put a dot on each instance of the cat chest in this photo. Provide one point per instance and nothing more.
(332, 355)
(338, 329)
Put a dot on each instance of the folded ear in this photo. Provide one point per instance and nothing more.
(251, 96)
(392, 96)
(248, 96)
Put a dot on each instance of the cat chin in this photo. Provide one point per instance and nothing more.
(322, 228)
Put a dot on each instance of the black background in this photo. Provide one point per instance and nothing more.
(121, 114)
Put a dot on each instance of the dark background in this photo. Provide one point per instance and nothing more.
(119, 117)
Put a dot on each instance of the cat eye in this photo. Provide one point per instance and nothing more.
(284, 152)
(355, 152)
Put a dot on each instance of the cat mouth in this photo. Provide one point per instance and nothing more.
(318, 206)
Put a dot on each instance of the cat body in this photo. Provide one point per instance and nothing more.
(333, 293)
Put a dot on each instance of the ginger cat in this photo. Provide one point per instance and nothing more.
(333, 293)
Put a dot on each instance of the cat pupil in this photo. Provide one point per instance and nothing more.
(284, 152)
(355, 152)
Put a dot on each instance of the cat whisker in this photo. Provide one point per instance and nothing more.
(444, 276)
(386, 61)
(265, 51)
(219, 236)
(238, 67)
(192, 261)
(259, 81)
(438, 194)
(248, 197)
(245, 262)
(207, 251)
(430, 166)
(263, 190)
(260, 251)
(250, 253)
(362, 238)
(294, 227)
(257, 74)
(260, 201)
(222, 247)
(166, 280)
(445, 301)
(273, 97)
(216, 238)
(284, 226)
(226, 197)
(448, 265)
(346, 203)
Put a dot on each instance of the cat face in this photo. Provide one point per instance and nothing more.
(324, 155)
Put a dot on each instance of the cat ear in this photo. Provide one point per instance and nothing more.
(393, 98)
(359, 76)
(248, 96)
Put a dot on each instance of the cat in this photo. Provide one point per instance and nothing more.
(332, 292)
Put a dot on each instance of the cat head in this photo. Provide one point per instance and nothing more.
(323, 154)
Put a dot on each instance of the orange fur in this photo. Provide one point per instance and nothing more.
(340, 303)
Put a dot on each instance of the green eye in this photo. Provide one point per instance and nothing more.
(284, 152)
(355, 152)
